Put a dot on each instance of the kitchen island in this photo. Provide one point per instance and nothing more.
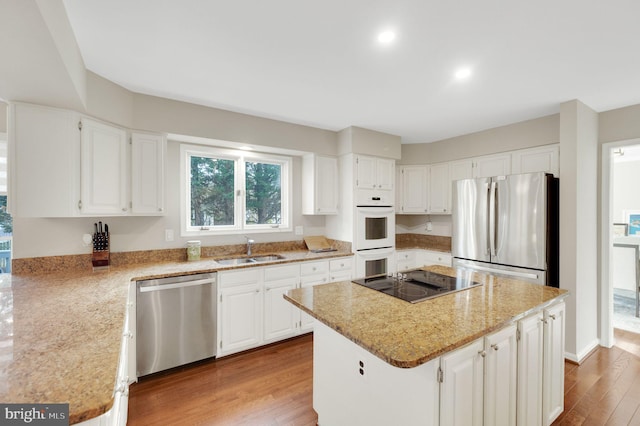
(378, 358)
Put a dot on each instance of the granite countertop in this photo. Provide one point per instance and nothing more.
(60, 333)
(407, 335)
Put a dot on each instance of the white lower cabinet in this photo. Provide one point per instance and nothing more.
(406, 259)
(430, 257)
(239, 310)
(281, 318)
(541, 366)
(252, 310)
(530, 370)
(341, 270)
(461, 386)
(353, 387)
(312, 273)
(500, 377)
(495, 380)
(553, 363)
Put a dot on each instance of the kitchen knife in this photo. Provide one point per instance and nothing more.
(106, 229)
(100, 227)
(95, 227)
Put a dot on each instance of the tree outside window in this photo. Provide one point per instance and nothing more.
(234, 191)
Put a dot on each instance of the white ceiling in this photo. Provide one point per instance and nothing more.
(319, 63)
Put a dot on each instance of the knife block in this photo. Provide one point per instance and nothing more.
(101, 254)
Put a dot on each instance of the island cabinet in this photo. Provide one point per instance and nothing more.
(478, 382)
(513, 376)
(553, 363)
(353, 387)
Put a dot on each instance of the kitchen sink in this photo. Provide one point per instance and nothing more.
(236, 261)
(267, 258)
(254, 259)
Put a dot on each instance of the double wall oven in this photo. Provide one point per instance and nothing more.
(375, 240)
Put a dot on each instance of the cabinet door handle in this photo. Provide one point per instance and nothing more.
(482, 353)
(552, 316)
(495, 347)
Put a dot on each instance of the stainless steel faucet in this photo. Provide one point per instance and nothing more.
(249, 244)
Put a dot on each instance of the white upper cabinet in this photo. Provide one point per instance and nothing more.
(374, 173)
(375, 179)
(492, 165)
(65, 165)
(319, 184)
(412, 189)
(461, 169)
(439, 189)
(540, 159)
(103, 184)
(44, 163)
(147, 174)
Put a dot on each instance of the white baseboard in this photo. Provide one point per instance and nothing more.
(578, 358)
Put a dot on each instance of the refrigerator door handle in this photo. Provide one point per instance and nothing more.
(493, 218)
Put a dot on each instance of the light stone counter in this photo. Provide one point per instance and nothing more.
(60, 333)
(407, 335)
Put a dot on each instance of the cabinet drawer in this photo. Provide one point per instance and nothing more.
(340, 264)
(276, 273)
(235, 278)
(311, 268)
(434, 257)
(406, 256)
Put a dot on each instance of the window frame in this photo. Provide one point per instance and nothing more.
(239, 157)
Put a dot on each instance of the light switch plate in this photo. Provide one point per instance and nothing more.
(168, 234)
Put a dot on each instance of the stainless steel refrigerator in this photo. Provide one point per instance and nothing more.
(507, 225)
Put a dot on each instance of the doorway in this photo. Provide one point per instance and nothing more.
(6, 224)
(620, 238)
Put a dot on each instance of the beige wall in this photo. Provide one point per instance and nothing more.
(3, 117)
(619, 124)
(525, 134)
(165, 115)
(578, 225)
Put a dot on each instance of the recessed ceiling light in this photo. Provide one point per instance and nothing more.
(386, 37)
(463, 73)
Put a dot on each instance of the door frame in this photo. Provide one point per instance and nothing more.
(607, 338)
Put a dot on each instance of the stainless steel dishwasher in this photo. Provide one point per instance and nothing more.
(176, 321)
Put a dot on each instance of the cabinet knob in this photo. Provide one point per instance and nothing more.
(552, 316)
(124, 209)
(482, 353)
(495, 347)
(257, 290)
(160, 209)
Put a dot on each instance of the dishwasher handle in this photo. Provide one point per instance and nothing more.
(157, 287)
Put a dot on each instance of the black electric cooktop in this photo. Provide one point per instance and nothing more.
(417, 285)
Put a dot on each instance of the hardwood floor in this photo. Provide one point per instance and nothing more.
(605, 388)
(268, 386)
(273, 386)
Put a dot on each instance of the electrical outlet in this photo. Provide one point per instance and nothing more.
(86, 239)
(299, 230)
(168, 234)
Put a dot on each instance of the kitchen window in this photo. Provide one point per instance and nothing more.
(227, 191)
